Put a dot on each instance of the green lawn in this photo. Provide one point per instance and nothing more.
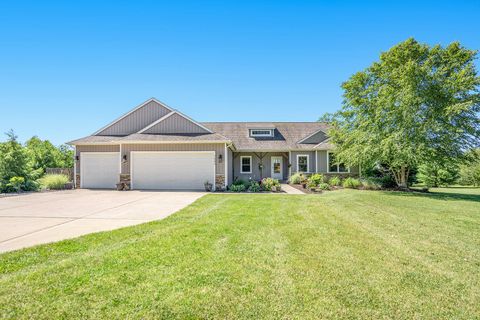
(344, 254)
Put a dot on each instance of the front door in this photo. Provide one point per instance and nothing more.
(277, 170)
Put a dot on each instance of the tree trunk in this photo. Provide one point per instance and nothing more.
(403, 178)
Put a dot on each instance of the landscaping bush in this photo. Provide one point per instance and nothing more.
(324, 186)
(314, 180)
(254, 187)
(53, 181)
(237, 188)
(335, 181)
(371, 184)
(297, 178)
(351, 183)
(238, 182)
(270, 184)
(16, 183)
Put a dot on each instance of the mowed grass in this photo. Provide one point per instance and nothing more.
(344, 254)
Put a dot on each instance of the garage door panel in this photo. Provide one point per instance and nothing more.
(99, 170)
(175, 171)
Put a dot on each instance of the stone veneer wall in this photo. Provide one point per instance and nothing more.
(125, 178)
(220, 182)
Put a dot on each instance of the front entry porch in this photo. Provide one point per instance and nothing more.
(259, 165)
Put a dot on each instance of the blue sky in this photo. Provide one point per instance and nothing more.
(68, 68)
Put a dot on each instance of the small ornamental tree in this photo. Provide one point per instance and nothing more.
(415, 105)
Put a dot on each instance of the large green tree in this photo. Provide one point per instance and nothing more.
(44, 154)
(416, 104)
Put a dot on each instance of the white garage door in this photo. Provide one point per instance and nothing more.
(99, 170)
(172, 170)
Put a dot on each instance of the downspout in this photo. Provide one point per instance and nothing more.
(75, 167)
(226, 167)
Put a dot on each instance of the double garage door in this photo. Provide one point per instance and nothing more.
(150, 170)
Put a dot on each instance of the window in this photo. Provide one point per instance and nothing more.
(261, 132)
(334, 167)
(245, 164)
(302, 163)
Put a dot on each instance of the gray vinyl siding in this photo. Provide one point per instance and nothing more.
(175, 124)
(316, 138)
(93, 148)
(137, 120)
(311, 160)
(267, 165)
(322, 161)
(219, 148)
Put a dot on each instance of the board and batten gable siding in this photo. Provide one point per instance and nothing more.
(137, 120)
(311, 160)
(267, 165)
(93, 148)
(219, 148)
(175, 124)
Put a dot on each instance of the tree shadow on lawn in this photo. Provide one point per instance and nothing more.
(447, 196)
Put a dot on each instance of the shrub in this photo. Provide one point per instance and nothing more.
(297, 178)
(16, 183)
(254, 187)
(324, 186)
(316, 178)
(371, 184)
(237, 187)
(351, 183)
(270, 184)
(238, 182)
(53, 181)
(334, 181)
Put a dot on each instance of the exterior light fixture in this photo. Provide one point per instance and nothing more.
(124, 157)
(77, 158)
(220, 158)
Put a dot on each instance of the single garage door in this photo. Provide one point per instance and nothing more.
(172, 170)
(99, 170)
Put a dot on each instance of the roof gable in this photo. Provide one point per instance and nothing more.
(133, 121)
(314, 138)
(175, 123)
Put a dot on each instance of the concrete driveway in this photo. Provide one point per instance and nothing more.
(27, 220)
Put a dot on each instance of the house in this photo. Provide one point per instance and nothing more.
(156, 147)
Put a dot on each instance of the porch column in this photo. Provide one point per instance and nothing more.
(289, 163)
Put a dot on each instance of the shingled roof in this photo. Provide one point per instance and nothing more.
(286, 135)
(142, 137)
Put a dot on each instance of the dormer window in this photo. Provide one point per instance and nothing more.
(261, 133)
